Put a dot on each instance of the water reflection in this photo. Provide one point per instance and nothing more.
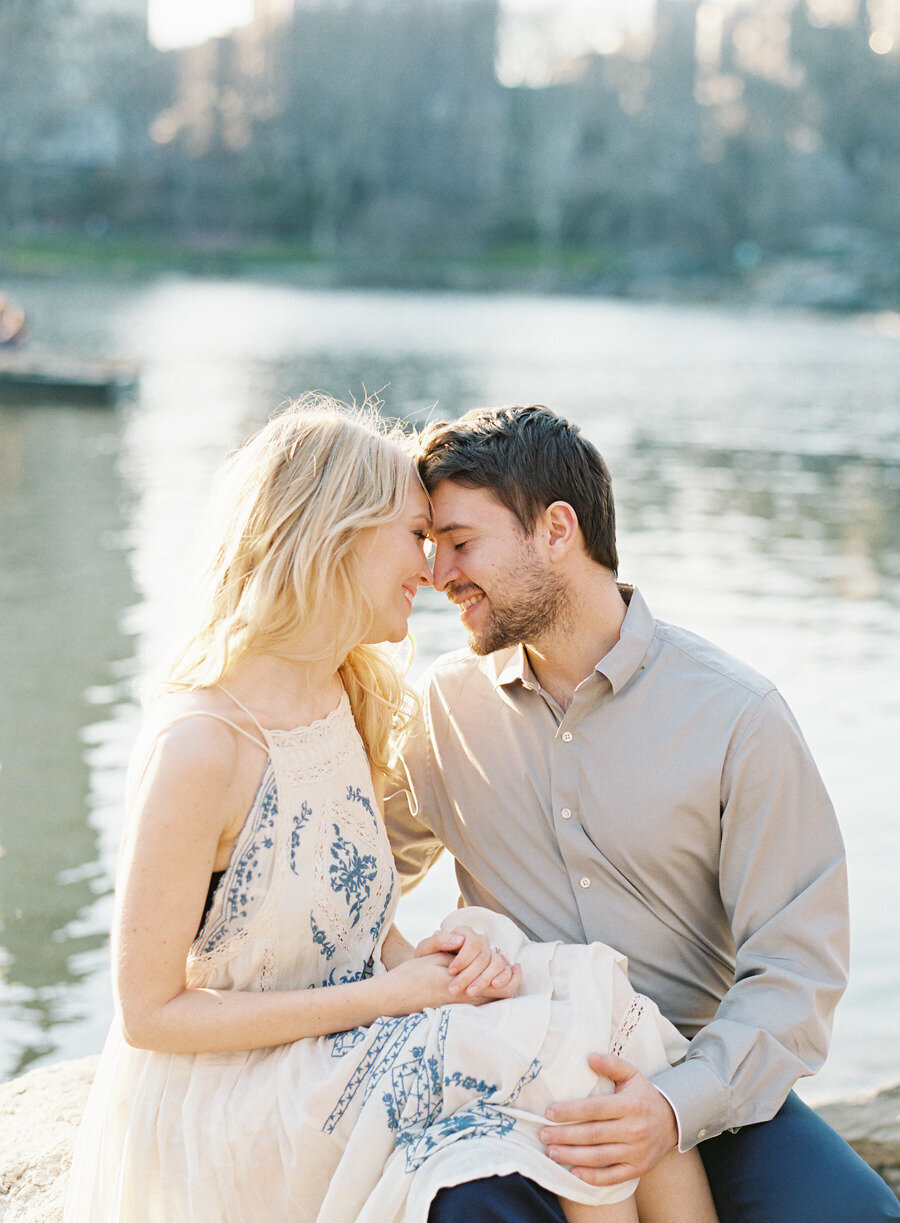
(832, 519)
(62, 510)
(756, 465)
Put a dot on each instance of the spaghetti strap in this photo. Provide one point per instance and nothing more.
(193, 713)
(242, 707)
(205, 713)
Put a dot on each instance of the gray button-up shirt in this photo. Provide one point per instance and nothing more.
(673, 812)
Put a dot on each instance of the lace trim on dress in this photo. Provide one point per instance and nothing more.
(313, 732)
(314, 768)
(627, 1026)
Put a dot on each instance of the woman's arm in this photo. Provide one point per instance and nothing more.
(395, 949)
(191, 797)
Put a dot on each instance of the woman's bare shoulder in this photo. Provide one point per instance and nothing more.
(199, 730)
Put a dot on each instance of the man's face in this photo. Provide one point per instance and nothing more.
(491, 570)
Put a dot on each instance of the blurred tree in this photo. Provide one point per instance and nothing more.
(376, 129)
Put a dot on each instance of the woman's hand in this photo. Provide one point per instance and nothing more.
(426, 981)
(482, 973)
(417, 983)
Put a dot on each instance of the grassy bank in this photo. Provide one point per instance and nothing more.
(516, 264)
(77, 254)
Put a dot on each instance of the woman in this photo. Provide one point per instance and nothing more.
(294, 1058)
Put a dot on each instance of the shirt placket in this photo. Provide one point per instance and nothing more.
(567, 799)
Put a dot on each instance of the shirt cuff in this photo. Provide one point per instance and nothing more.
(698, 1100)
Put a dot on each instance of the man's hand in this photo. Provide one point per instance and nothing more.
(610, 1139)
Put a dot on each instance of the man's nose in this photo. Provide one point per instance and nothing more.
(444, 569)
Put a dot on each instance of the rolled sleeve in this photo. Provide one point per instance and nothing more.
(783, 884)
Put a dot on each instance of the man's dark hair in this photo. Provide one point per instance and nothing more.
(528, 457)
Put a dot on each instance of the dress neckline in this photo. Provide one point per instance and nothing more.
(316, 729)
(299, 734)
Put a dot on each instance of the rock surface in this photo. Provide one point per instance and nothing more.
(39, 1114)
(872, 1127)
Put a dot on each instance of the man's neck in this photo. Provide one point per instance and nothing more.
(565, 657)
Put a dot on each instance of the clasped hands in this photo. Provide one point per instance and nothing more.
(480, 973)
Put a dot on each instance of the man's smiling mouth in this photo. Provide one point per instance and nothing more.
(465, 604)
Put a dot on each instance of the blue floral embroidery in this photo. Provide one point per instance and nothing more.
(355, 795)
(416, 1095)
(351, 873)
(378, 924)
(468, 1082)
(242, 874)
(409, 1084)
(391, 1035)
(348, 975)
(343, 1042)
(298, 824)
(482, 1117)
(320, 938)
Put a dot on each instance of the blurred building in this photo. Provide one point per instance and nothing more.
(79, 85)
(382, 126)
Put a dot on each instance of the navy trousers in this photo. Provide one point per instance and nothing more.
(792, 1169)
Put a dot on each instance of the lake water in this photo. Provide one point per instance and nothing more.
(755, 457)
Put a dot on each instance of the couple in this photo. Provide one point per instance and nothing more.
(281, 1053)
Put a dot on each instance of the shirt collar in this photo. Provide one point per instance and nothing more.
(619, 665)
(623, 660)
(512, 666)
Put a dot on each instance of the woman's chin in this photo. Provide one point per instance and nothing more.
(387, 635)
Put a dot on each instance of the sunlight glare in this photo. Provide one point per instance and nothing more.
(180, 23)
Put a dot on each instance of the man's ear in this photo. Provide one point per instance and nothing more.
(562, 529)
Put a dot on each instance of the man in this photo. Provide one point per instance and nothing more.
(599, 775)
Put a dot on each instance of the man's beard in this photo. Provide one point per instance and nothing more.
(541, 603)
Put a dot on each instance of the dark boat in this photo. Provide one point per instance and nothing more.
(32, 374)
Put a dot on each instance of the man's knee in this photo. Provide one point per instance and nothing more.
(457, 1204)
(794, 1169)
(496, 1199)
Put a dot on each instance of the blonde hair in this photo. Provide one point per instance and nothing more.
(290, 509)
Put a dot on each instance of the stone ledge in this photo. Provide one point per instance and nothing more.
(39, 1115)
(871, 1125)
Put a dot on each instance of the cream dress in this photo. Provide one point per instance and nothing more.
(365, 1125)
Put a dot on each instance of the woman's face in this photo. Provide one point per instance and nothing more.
(393, 566)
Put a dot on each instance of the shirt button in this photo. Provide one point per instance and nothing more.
(701, 1133)
(566, 813)
(584, 881)
(567, 736)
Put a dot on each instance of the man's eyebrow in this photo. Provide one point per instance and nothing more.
(451, 526)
